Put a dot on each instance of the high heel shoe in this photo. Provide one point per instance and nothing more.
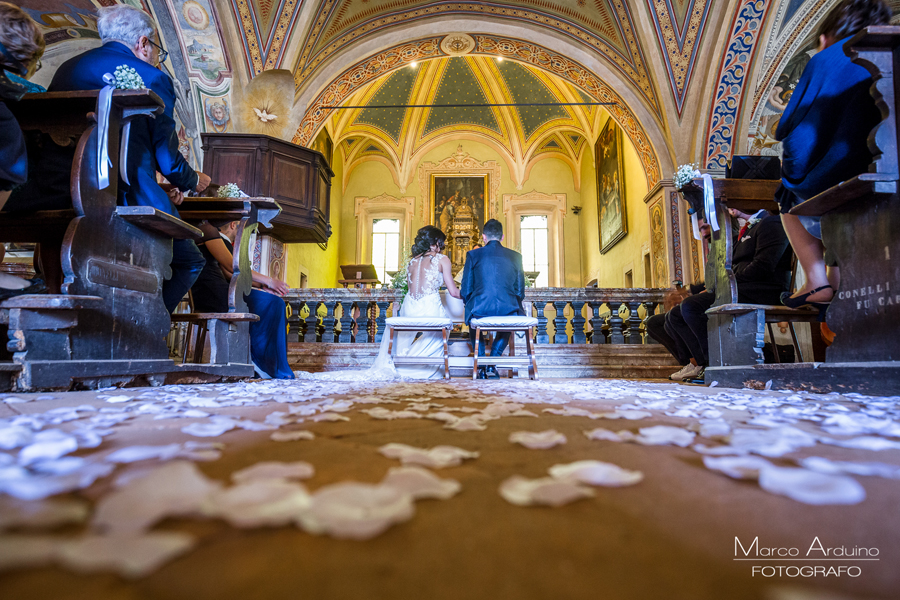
(803, 300)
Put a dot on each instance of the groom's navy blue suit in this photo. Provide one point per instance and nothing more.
(493, 285)
(153, 146)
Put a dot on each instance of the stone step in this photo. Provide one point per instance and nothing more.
(650, 361)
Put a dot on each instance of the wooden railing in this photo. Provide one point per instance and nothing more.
(565, 315)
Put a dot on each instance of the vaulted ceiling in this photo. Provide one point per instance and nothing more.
(521, 134)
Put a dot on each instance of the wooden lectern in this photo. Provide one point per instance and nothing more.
(359, 276)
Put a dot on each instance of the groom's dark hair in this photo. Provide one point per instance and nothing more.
(493, 230)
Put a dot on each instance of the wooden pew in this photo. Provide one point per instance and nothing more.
(736, 330)
(861, 226)
(230, 332)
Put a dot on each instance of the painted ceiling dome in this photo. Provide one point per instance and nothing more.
(531, 125)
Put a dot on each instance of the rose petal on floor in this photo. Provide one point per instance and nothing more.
(548, 491)
(274, 470)
(594, 472)
(421, 483)
(810, 487)
(292, 436)
(358, 511)
(538, 440)
(435, 458)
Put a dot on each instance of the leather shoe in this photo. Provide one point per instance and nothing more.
(481, 373)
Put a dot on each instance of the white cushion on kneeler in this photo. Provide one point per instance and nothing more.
(419, 322)
(511, 321)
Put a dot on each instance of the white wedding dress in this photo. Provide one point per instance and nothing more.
(423, 274)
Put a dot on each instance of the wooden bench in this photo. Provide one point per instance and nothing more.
(229, 333)
(737, 331)
(113, 260)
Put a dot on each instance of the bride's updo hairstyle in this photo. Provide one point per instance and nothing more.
(427, 237)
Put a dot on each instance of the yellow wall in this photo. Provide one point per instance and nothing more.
(549, 176)
(609, 268)
(583, 261)
(321, 266)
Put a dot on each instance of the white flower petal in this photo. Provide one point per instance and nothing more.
(356, 510)
(737, 467)
(291, 436)
(538, 440)
(594, 472)
(522, 491)
(421, 483)
(274, 470)
(810, 487)
(436, 458)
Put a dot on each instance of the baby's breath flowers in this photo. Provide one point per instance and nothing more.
(128, 79)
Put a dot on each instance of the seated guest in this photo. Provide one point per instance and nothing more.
(21, 47)
(268, 336)
(824, 132)
(129, 38)
(761, 262)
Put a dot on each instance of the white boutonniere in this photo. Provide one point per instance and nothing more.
(750, 224)
(126, 78)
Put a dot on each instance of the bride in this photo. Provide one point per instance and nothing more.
(427, 270)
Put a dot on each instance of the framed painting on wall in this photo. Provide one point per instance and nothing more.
(458, 208)
(610, 186)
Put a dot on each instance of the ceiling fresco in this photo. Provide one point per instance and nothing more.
(604, 26)
(679, 28)
(519, 133)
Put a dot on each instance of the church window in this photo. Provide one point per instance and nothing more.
(385, 246)
(533, 230)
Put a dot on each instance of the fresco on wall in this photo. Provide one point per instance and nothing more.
(610, 164)
(201, 38)
(763, 143)
(217, 113)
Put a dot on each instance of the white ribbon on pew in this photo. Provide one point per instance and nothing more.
(104, 103)
(696, 226)
(709, 202)
(123, 152)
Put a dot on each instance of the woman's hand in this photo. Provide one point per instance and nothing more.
(276, 286)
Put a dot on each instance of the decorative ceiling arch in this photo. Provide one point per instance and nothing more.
(265, 25)
(532, 56)
(679, 29)
(606, 27)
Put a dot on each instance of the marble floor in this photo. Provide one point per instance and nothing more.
(158, 492)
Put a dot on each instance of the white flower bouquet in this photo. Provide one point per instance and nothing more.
(127, 79)
(231, 190)
(685, 174)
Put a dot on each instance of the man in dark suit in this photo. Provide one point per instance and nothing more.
(493, 285)
(130, 38)
(761, 261)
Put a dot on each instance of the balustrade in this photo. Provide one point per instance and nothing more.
(593, 315)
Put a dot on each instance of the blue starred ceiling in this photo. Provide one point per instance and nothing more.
(466, 81)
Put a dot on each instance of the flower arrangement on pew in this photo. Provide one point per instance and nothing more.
(231, 190)
(685, 175)
(127, 78)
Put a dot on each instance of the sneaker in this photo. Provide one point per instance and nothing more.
(688, 371)
(683, 373)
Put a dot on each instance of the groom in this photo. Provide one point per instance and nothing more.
(493, 285)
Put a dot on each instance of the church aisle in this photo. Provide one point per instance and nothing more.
(675, 532)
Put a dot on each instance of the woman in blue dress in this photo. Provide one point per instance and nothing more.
(824, 132)
(268, 336)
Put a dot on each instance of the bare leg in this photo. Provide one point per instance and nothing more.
(811, 254)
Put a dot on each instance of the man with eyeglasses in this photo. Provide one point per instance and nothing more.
(130, 38)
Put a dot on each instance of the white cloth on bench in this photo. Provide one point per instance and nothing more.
(510, 321)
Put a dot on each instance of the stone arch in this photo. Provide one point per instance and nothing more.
(587, 71)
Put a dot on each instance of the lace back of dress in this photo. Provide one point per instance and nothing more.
(423, 275)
